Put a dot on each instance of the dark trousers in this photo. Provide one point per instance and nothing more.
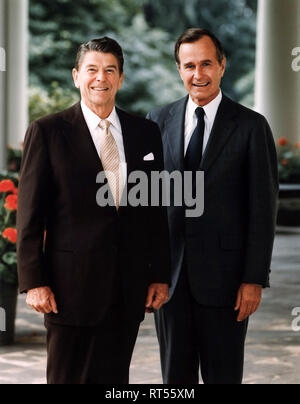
(92, 355)
(191, 335)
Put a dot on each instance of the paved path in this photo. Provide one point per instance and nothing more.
(272, 353)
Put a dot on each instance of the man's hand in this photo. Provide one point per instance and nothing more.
(42, 300)
(248, 300)
(158, 295)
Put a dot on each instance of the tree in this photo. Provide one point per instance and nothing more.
(233, 21)
(151, 74)
(147, 30)
(57, 28)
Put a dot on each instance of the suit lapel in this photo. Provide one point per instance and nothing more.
(174, 135)
(86, 164)
(82, 145)
(81, 142)
(221, 132)
(129, 139)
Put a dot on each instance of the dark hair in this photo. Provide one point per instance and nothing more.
(105, 45)
(193, 35)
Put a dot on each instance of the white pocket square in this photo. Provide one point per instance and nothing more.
(149, 157)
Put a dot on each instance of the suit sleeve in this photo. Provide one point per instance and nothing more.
(31, 217)
(262, 204)
(160, 246)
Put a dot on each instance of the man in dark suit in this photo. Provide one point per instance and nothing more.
(100, 264)
(221, 260)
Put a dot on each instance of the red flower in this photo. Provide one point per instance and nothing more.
(11, 202)
(284, 162)
(7, 186)
(10, 234)
(283, 141)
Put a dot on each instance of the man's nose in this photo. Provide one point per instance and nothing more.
(100, 76)
(198, 73)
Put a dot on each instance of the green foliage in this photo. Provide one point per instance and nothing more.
(147, 30)
(151, 77)
(58, 27)
(233, 21)
(42, 103)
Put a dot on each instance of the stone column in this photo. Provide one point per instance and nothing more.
(13, 74)
(277, 84)
(17, 71)
(2, 86)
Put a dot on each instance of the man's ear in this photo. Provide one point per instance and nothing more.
(179, 71)
(122, 77)
(223, 65)
(75, 77)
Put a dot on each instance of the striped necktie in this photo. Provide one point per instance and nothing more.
(110, 160)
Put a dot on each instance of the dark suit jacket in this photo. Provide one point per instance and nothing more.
(89, 250)
(232, 241)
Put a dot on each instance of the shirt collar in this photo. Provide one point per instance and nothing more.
(210, 109)
(93, 120)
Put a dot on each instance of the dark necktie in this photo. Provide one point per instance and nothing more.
(193, 155)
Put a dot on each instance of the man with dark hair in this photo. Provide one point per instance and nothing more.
(221, 260)
(100, 266)
(104, 45)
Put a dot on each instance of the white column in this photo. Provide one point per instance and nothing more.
(13, 81)
(17, 71)
(2, 87)
(277, 84)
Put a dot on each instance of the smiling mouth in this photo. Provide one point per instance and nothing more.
(99, 89)
(201, 85)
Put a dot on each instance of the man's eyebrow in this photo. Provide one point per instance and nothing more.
(202, 61)
(106, 67)
(188, 64)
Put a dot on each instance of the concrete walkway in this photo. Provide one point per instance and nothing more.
(273, 348)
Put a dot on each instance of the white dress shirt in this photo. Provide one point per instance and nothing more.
(191, 120)
(93, 121)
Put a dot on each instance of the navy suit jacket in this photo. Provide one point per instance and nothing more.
(232, 242)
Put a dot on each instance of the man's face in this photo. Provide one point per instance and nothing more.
(200, 70)
(99, 80)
